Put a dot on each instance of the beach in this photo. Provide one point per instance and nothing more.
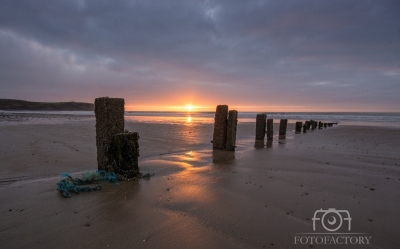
(197, 197)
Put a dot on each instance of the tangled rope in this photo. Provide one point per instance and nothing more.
(69, 184)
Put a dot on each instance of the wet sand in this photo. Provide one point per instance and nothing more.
(198, 198)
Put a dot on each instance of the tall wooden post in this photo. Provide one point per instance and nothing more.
(220, 127)
(282, 128)
(109, 114)
(270, 129)
(308, 124)
(305, 127)
(298, 126)
(312, 124)
(231, 130)
(261, 120)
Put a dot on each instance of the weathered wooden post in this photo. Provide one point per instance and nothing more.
(220, 127)
(231, 130)
(282, 128)
(270, 129)
(320, 125)
(305, 127)
(222, 156)
(325, 124)
(312, 124)
(225, 128)
(109, 114)
(298, 126)
(123, 154)
(261, 120)
(308, 124)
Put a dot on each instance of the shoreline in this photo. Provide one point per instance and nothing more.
(52, 117)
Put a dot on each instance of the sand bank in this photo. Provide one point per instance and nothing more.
(198, 198)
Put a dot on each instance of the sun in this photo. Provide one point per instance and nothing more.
(189, 107)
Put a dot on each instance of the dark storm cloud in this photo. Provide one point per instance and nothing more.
(330, 51)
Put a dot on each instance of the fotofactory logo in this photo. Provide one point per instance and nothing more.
(332, 220)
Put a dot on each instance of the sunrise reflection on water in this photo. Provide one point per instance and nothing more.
(187, 119)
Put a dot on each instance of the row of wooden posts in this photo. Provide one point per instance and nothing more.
(262, 122)
(225, 127)
(312, 124)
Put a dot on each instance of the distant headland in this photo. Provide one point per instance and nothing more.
(14, 104)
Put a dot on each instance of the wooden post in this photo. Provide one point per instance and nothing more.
(298, 126)
(109, 114)
(320, 125)
(220, 127)
(312, 124)
(305, 127)
(123, 154)
(325, 125)
(308, 123)
(270, 129)
(261, 120)
(282, 128)
(231, 130)
(259, 144)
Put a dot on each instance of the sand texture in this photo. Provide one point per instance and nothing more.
(198, 198)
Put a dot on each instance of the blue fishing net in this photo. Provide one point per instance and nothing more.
(69, 184)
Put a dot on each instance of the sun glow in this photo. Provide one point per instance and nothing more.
(189, 107)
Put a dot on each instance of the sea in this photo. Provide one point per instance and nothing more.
(343, 118)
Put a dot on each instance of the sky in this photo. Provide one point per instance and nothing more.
(338, 55)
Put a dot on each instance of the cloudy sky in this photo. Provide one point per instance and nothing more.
(253, 55)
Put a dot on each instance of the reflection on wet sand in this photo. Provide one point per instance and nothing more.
(189, 156)
(191, 160)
